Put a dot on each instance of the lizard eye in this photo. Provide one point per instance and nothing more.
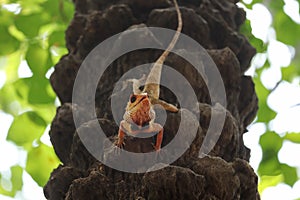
(132, 99)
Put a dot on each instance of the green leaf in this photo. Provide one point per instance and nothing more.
(8, 43)
(46, 112)
(6, 17)
(16, 178)
(12, 63)
(16, 181)
(264, 114)
(26, 93)
(289, 73)
(293, 137)
(249, 6)
(60, 11)
(37, 59)
(289, 174)
(21, 88)
(257, 43)
(40, 91)
(276, 6)
(57, 38)
(268, 181)
(57, 53)
(31, 6)
(41, 161)
(26, 128)
(270, 143)
(8, 99)
(269, 164)
(31, 24)
(287, 31)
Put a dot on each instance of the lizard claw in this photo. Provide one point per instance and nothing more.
(158, 154)
(119, 146)
(155, 147)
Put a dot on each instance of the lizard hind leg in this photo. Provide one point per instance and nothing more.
(157, 128)
(120, 142)
(121, 135)
(165, 105)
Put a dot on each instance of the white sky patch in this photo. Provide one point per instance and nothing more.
(5, 122)
(251, 140)
(8, 159)
(57, 102)
(270, 77)
(271, 34)
(5, 180)
(279, 54)
(261, 20)
(285, 97)
(287, 121)
(49, 72)
(291, 8)
(289, 154)
(13, 7)
(45, 137)
(24, 70)
(296, 81)
(2, 197)
(247, 1)
(257, 62)
(280, 192)
(31, 190)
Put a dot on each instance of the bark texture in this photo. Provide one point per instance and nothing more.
(224, 173)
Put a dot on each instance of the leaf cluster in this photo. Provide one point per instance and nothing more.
(271, 170)
(32, 36)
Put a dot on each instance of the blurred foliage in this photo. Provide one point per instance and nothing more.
(31, 36)
(271, 170)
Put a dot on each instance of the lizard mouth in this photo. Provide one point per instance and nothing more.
(139, 101)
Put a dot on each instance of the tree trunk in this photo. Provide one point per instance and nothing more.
(224, 173)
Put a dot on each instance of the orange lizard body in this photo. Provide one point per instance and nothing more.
(139, 115)
(139, 118)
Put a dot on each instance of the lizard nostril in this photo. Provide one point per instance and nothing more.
(132, 99)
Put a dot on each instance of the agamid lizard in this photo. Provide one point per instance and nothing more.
(139, 114)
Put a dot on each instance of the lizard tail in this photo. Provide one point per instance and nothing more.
(153, 80)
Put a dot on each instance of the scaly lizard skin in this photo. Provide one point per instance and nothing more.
(139, 115)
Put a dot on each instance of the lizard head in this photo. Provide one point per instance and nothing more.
(138, 101)
(138, 110)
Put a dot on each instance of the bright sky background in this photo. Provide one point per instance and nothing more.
(282, 100)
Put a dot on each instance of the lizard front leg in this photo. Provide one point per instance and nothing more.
(159, 139)
(157, 128)
(121, 135)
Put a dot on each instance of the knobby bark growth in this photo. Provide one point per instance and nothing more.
(224, 173)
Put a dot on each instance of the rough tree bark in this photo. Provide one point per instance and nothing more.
(225, 173)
